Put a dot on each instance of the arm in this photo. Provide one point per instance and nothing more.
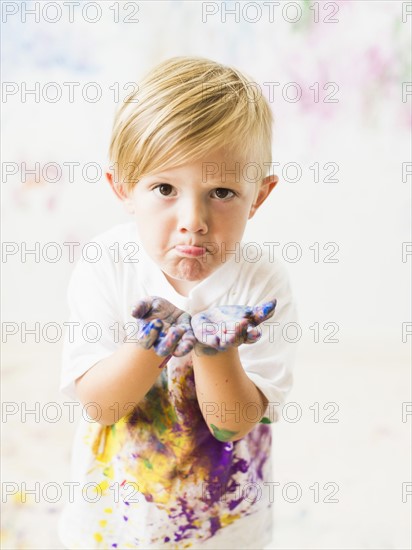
(223, 391)
(119, 382)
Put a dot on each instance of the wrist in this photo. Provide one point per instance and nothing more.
(214, 358)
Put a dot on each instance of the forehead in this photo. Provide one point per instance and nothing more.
(213, 168)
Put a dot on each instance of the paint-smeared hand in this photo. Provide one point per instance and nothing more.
(222, 327)
(164, 327)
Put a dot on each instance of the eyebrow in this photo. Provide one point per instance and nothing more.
(209, 179)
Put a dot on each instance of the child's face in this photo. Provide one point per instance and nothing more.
(187, 217)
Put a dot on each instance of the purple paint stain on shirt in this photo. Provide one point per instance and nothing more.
(125, 518)
(234, 503)
(163, 412)
(261, 433)
(216, 457)
(240, 466)
(214, 525)
(189, 515)
(133, 417)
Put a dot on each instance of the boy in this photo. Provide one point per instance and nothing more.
(182, 380)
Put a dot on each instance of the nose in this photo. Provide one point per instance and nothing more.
(192, 217)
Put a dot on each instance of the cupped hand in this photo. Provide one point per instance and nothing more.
(163, 326)
(222, 327)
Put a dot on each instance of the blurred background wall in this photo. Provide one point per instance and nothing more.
(341, 95)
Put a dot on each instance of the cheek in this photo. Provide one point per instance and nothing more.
(232, 221)
(153, 226)
(145, 221)
(147, 210)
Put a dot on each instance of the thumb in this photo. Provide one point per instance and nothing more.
(264, 311)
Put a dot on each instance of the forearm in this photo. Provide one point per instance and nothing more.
(223, 391)
(119, 382)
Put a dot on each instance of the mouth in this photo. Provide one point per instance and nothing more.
(191, 251)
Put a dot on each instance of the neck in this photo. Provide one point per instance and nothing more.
(181, 286)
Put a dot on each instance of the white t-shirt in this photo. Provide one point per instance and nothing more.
(158, 478)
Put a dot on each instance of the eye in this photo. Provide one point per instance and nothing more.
(223, 193)
(164, 189)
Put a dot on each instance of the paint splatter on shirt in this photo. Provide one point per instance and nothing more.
(189, 484)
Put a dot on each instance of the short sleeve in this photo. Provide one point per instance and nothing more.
(269, 361)
(93, 331)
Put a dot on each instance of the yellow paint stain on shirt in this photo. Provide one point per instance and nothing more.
(159, 474)
(109, 472)
(108, 511)
(227, 519)
(160, 481)
(103, 485)
(103, 522)
(106, 441)
(97, 537)
(113, 438)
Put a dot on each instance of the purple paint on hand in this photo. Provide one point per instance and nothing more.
(163, 327)
(149, 333)
(222, 327)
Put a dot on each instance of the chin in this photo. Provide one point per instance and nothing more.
(188, 270)
(192, 269)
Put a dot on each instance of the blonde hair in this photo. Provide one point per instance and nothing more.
(185, 108)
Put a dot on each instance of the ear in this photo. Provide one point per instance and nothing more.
(121, 193)
(265, 188)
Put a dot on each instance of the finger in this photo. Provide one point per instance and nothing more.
(142, 308)
(184, 320)
(235, 336)
(186, 344)
(253, 335)
(263, 311)
(167, 343)
(164, 309)
(149, 333)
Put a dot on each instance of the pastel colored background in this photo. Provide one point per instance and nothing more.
(366, 53)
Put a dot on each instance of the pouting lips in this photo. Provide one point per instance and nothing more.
(191, 250)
